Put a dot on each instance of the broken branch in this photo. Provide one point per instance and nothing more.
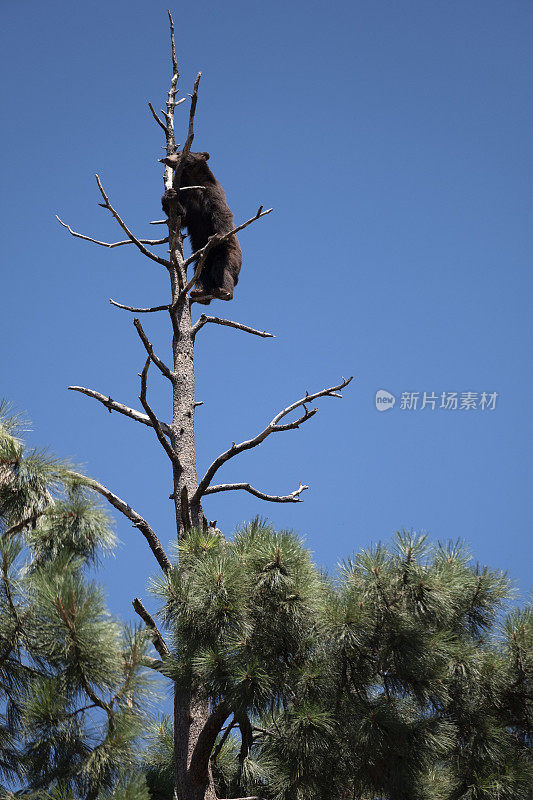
(159, 122)
(162, 367)
(155, 545)
(293, 497)
(157, 639)
(167, 447)
(190, 133)
(139, 310)
(204, 319)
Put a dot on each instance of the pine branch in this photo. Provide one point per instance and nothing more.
(18, 629)
(112, 405)
(24, 523)
(91, 694)
(7, 587)
(272, 427)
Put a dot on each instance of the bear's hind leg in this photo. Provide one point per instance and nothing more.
(213, 283)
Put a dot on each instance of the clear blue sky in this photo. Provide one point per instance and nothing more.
(394, 141)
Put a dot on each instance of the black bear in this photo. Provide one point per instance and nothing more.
(205, 212)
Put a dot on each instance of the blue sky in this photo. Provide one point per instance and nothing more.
(394, 142)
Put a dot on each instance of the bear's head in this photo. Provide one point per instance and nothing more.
(194, 163)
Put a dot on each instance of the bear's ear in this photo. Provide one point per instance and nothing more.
(205, 156)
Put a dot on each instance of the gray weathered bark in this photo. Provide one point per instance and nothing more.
(190, 714)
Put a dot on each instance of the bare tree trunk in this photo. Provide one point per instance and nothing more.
(190, 714)
(182, 435)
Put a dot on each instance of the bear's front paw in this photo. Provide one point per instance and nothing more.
(169, 198)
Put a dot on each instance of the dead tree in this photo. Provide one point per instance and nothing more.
(196, 726)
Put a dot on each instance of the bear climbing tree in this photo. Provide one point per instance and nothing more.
(213, 270)
(203, 210)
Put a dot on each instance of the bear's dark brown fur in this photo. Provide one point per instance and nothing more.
(205, 212)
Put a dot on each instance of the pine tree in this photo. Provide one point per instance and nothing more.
(396, 679)
(73, 692)
(400, 677)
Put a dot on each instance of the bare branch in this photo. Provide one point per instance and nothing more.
(139, 310)
(169, 450)
(333, 391)
(200, 255)
(162, 367)
(293, 497)
(127, 231)
(169, 179)
(204, 319)
(190, 133)
(272, 427)
(112, 405)
(138, 522)
(110, 245)
(159, 122)
(157, 639)
(290, 426)
(175, 72)
(217, 238)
